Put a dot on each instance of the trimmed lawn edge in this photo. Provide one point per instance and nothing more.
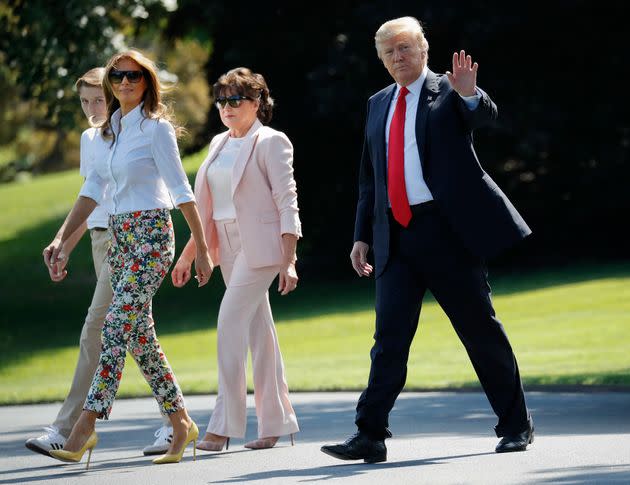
(555, 388)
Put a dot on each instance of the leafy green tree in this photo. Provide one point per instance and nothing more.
(47, 45)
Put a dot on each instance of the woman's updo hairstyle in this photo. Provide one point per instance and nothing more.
(246, 83)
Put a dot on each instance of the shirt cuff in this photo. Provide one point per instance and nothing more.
(182, 194)
(472, 102)
(92, 190)
(290, 224)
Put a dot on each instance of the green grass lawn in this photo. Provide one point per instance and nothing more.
(567, 325)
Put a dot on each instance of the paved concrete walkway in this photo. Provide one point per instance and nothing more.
(581, 438)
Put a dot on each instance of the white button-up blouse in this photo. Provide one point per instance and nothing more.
(143, 167)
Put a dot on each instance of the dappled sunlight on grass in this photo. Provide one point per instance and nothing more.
(568, 325)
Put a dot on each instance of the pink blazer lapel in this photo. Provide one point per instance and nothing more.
(244, 154)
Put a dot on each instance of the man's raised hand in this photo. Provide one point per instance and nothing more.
(463, 79)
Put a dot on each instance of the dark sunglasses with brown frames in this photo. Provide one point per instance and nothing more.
(116, 77)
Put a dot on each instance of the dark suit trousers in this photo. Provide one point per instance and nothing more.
(428, 255)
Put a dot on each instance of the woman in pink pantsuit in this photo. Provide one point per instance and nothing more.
(248, 203)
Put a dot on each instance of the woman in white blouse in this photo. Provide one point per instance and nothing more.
(145, 178)
(248, 204)
(93, 148)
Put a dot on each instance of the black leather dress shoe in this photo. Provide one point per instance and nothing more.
(358, 447)
(516, 442)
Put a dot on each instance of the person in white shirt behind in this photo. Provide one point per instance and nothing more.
(146, 179)
(93, 147)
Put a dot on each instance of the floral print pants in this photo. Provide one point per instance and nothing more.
(141, 252)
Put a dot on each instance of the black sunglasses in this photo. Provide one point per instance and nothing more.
(234, 101)
(116, 76)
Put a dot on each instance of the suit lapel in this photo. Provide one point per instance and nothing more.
(428, 94)
(244, 154)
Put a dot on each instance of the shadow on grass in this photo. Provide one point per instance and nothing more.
(40, 315)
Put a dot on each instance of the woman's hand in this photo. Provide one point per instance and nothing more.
(203, 267)
(181, 272)
(203, 263)
(287, 279)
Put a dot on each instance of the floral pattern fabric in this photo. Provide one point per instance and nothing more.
(141, 253)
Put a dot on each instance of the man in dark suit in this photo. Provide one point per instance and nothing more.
(432, 216)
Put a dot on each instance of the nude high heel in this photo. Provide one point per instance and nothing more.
(211, 445)
(264, 443)
(193, 434)
(75, 456)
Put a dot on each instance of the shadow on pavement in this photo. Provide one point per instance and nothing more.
(415, 415)
(582, 475)
(340, 471)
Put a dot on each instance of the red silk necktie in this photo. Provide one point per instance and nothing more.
(396, 163)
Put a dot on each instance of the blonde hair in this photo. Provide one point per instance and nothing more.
(91, 79)
(153, 108)
(392, 28)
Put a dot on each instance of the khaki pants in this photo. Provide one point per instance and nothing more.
(90, 342)
(245, 320)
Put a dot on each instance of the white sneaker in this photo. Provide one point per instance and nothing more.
(163, 438)
(50, 440)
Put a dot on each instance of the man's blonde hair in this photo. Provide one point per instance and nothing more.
(392, 28)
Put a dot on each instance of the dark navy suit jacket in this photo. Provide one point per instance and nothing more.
(478, 211)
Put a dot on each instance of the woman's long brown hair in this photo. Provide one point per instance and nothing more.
(153, 108)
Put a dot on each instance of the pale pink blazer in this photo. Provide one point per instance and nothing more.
(263, 191)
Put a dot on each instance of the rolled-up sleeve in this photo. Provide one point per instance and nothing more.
(94, 187)
(169, 164)
(279, 163)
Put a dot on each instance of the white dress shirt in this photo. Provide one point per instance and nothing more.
(143, 167)
(417, 189)
(93, 149)
(219, 176)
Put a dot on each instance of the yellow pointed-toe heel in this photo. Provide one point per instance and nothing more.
(75, 456)
(193, 434)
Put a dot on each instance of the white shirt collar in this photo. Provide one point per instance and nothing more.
(129, 119)
(416, 86)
